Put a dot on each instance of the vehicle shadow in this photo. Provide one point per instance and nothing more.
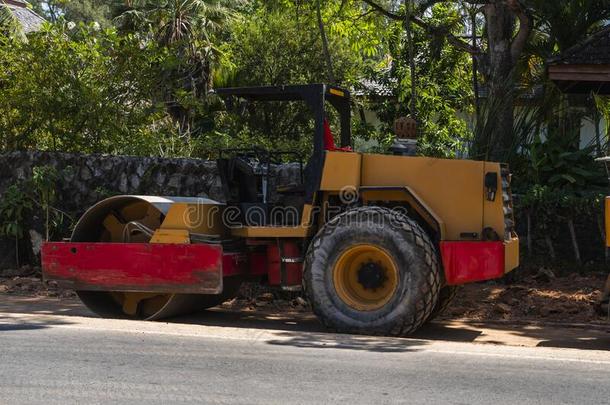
(42, 305)
(16, 322)
(500, 333)
(290, 327)
(259, 319)
(351, 342)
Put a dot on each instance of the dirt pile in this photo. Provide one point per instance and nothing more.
(27, 281)
(540, 297)
(253, 296)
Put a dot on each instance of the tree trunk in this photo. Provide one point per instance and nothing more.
(325, 47)
(475, 66)
(602, 234)
(411, 55)
(598, 135)
(529, 233)
(549, 244)
(574, 241)
(499, 74)
(17, 252)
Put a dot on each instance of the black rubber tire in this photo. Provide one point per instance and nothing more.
(445, 297)
(410, 248)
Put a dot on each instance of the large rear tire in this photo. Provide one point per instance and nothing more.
(371, 270)
(446, 296)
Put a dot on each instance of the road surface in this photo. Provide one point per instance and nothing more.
(46, 357)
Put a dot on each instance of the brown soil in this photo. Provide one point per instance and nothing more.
(32, 286)
(539, 298)
(569, 299)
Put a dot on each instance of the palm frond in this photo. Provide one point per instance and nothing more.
(9, 24)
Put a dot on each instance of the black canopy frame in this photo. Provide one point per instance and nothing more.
(315, 97)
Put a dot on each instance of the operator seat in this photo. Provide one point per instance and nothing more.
(238, 180)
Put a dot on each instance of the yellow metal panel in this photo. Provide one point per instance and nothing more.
(114, 227)
(453, 189)
(196, 218)
(337, 92)
(412, 199)
(494, 210)
(177, 236)
(511, 254)
(341, 169)
(301, 231)
(136, 210)
(607, 220)
(306, 219)
(272, 231)
(143, 212)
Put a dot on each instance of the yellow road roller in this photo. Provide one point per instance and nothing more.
(377, 243)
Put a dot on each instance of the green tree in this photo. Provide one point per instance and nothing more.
(85, 11)
(507, 27)
(443, 91)
(10, 25)
(79, 90)
(189, 31)
(280, 43)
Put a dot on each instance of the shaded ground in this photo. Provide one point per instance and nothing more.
(297, 328)
(539, 298)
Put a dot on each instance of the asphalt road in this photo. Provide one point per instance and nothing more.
(46, 358)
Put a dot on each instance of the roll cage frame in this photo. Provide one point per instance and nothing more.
(315, 97)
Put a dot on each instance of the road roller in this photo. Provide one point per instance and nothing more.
(377, 243)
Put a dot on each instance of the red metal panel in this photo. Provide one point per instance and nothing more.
(293, 271)
(467, 262)
(258, 263)
(192, 269)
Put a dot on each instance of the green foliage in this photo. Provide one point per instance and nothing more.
(279, 45)
(555, 163)
(9, 25)
(44, 185)
(143, 88)
(32, 197)
(559, 187)
(602, 105)
(44, 180)
(550, 210)
(137, 81)
(562, 23)
(78, 11)
(189, 32)
(15, 208)
(79, 90)
(443, 85)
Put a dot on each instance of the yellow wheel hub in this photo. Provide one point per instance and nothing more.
(365, 277)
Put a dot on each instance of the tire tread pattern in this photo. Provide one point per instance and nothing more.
(414, 233)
